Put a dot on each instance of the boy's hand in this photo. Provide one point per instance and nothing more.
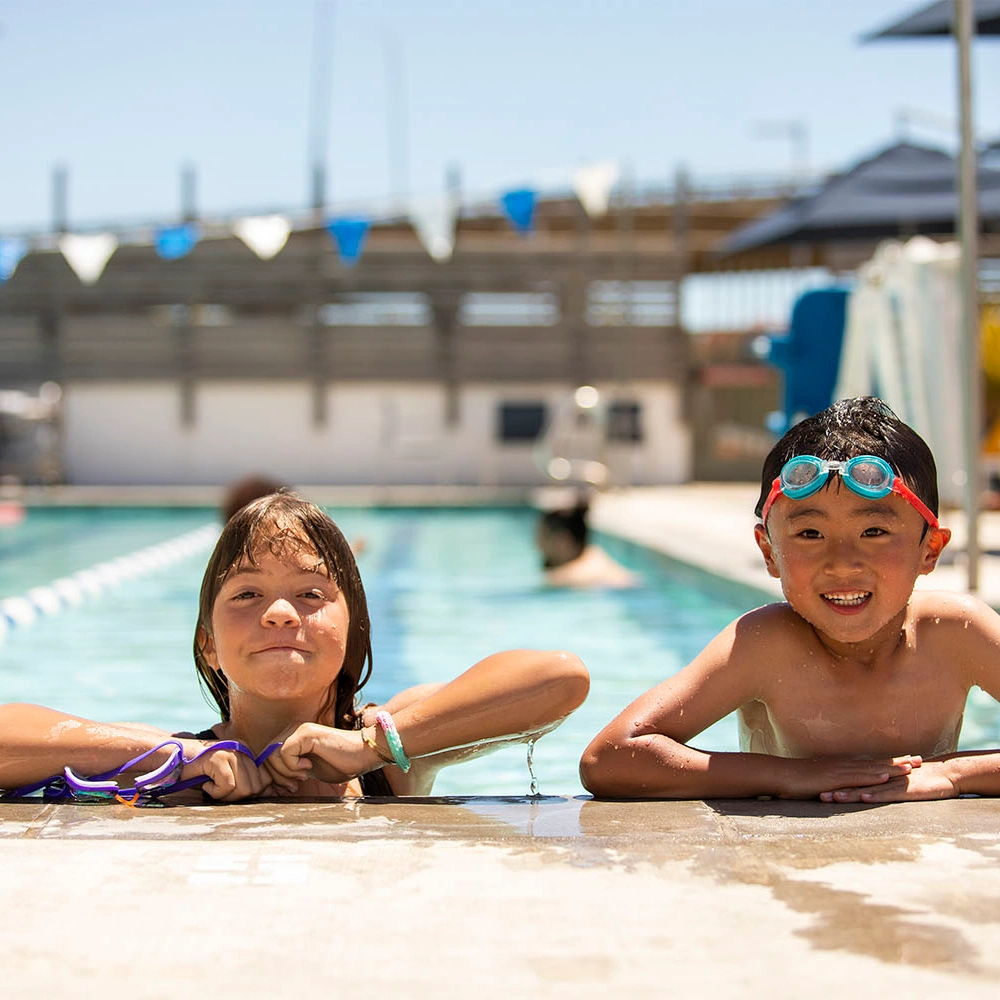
(314, 751)
(825, 776)
(930, 781)
(231, 775)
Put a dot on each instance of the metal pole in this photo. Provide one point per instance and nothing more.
(968, 233)
(319, 117)
(60, 199)
(396, 131)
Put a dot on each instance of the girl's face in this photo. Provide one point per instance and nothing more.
(279, 629)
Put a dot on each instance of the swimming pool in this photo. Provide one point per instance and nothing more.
(445, 588)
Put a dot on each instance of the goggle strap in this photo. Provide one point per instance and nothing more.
(915, 502)
(776, 492)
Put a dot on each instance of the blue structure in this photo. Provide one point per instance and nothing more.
(809, 354)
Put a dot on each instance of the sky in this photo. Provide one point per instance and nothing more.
(397, 93)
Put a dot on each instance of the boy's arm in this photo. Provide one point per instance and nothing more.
(969, 772)
(644, 752)
(975, 645)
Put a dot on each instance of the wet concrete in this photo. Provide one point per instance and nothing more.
(552, 896)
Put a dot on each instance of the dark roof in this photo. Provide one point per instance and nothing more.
(938, 19)
(904, 189)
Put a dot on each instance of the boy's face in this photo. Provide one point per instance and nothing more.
(847, 564)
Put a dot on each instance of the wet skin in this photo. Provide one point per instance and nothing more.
(845, 688)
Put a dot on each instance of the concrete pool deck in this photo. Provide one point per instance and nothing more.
(505, 897)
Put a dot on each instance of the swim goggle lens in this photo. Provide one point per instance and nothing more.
(866, 475)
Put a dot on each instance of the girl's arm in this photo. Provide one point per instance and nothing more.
(37, 742)
(509, 697)
(644, 751)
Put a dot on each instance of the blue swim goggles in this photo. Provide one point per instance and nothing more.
(866, 475)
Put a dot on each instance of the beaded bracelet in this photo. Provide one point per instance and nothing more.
(384, 720)
(376, 749)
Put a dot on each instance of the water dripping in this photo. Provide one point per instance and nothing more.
(533, 788)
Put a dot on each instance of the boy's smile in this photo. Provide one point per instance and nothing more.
(847, 564)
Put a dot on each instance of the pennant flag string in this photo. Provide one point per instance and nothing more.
(434, 221)
(266, 235)
(593, 184)
(172, 242)
(519, 207)
(12, 250)
(88, 255)
(349, 237)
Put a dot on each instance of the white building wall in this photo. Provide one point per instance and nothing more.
(391, 433)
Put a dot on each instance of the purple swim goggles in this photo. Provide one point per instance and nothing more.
(162, 780)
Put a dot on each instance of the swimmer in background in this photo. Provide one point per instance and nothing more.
(282, 646)
(570, 559)
(854, 688)
(246, 490)
(250, 488)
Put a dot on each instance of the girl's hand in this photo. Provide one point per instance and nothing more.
(825, 776)
(314, 751)
(232, 776)
(931, 781)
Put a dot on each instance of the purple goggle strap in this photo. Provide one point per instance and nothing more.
(152, 784)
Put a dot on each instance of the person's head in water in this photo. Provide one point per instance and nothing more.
(286, 527)
(247, 489)
(563, 535)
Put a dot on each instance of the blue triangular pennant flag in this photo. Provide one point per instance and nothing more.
(176, 241)
(349, 237)
(519, 206)
(11, 252)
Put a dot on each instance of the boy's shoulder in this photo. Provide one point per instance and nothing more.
(772, 625)
(947, 604)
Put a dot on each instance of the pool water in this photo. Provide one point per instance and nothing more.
(445, 588)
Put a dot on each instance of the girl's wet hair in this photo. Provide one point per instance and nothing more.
(271, 524)
(851, 427)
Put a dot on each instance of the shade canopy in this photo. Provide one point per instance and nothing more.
(939, 18)
(903, 190)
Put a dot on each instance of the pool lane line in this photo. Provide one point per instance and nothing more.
(68, 591)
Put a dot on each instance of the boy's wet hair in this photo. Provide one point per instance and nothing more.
(271, 524)
(851, 427)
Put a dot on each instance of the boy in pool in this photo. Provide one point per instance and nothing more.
(283, 646)
(853, 690)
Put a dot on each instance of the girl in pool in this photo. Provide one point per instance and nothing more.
(282, 645)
